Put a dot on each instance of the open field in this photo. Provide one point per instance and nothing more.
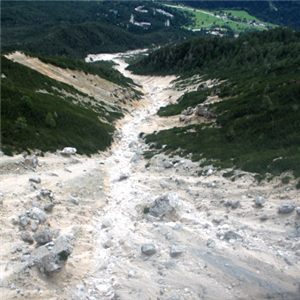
(206, 19)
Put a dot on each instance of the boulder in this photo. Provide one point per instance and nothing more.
(187, 112)
(37, 214)
(298, 210)
(286, 207)
(148, 249)
(51, 257)
(259, 201)
(168, 164)
(264, 217)
(43, 236)
(164, 205)
(31, 161)
(68, 151)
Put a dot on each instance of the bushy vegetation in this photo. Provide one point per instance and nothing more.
(257, 126)
(36, 114)
(78, 28)
(102, 69)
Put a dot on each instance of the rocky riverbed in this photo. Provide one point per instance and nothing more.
(132, 228)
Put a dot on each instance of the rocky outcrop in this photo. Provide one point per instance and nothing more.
(164, 205)
(51, 257)
(203, 111)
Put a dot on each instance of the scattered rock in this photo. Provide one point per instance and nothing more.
(148, 249)
(177, 250)
(105, 224)
(68, 151)
(286, 207)
(264, 217)
(74, 200)
(31, 161)
(210, 243)
(231, 235)
(168, 165)
(38, 214)
(49, 206)
(26, 237)
(259, 201)
(235, 204)
(132, 144)
(123, 176)
(50, 260)
(17, 248)
(24, 221)
(35, 179)
(164, 205)
(43, 236)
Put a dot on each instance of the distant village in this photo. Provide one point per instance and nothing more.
(146, 25)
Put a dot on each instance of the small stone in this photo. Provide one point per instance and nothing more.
(26, 237)
(168, 165)
(264, 217)
(177, 250)
(235, 204)
(148, 249)
(24, 221)
(105, 224)
(35, 179)
(74, 200)
(210, 243)
(288, 261)
(259, 201)
(231, 235)
(49, 206)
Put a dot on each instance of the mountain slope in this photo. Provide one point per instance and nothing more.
(257, 125)
(39, 112)
(77, 28)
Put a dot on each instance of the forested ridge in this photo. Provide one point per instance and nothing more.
(257, 125)
(77, 28)
(285, 13)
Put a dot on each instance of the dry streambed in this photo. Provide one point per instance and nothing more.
(206, 239)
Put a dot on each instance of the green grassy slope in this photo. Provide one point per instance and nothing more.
(36, 114)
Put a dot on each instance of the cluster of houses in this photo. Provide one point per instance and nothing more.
(146, 25)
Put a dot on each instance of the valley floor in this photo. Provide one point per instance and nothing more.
(225, 252)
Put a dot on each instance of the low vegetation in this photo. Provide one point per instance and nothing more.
(36, 114)
(257, 126)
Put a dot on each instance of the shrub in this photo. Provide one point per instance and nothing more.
(50, 122)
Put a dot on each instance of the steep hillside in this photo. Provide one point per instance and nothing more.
(77, 28)
(53, 108)
(256, 124)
